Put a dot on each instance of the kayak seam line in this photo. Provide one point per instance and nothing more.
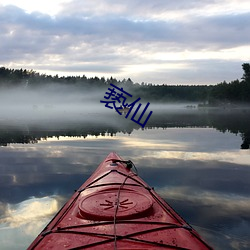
(120, 222)
(110, 184)
(62, 230)
(114, 170)
(99, 178)
(128, 237)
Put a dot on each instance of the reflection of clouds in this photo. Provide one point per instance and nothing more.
(202, 173)
(29, 212)
(2, 209)
(156, 139)
(226, 240)
(146, 144)
(22, 222)
(234, 156)
(228, 203)
(222, 219)
(49, 158)
(185, 139)
(172, 143)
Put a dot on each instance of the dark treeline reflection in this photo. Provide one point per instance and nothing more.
(234, 121)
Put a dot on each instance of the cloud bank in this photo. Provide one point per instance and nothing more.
(183, 42)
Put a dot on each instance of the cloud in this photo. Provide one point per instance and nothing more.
(148, 9)
(115, 38)
(123, 30)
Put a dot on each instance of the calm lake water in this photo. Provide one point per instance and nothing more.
(197, 160)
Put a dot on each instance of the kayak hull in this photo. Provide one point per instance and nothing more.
(116, 209)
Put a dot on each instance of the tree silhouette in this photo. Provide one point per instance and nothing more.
(246, 69)
(223, 93)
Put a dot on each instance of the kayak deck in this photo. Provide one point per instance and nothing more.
(116, 209)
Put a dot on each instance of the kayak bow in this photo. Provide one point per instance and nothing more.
(116, 209)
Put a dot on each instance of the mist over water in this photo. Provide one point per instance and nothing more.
(60, 105)
(59, 102)
(57, 109)
(52, 103)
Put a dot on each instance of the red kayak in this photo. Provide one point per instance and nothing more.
(116, 209)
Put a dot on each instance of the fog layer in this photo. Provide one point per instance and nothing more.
(53, 102)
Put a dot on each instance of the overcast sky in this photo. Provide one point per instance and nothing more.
(153, 41)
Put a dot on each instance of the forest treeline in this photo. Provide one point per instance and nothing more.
(236, 91)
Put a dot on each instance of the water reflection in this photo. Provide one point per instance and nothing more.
(195, 164)
(101, 124)
(29, 210)
(21, 221)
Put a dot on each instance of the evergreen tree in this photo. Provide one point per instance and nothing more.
(246, 69)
